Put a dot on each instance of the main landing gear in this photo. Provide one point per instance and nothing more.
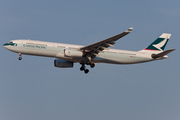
(83, 67)
(20, 58)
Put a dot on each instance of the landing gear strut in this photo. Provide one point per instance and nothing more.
(83, 68)
(20, 58)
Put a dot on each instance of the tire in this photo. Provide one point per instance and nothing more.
(92, 65)
(82, 68)
(86, 71)
(20, 58)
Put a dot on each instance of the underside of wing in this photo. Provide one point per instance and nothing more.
(94, 49)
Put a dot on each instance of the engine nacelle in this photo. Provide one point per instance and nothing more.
(72, 53)
(63, 63)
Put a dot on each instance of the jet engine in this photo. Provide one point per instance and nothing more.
(63, 63)
(72, 53)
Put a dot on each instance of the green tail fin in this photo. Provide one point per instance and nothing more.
(160, 43)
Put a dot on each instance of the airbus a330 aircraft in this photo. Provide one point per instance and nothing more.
(66, 54)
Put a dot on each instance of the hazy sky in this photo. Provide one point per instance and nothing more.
(33, 89)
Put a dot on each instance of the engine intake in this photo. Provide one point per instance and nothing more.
(63, 63)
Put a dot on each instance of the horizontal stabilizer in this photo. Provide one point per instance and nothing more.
(162, 54)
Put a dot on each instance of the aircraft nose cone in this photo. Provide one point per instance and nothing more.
(5, 45)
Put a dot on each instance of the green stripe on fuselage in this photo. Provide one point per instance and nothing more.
(10, 44)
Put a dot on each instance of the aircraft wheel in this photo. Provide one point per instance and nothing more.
(82, 68)
(86, 71)
(92, 65)
(20, 58)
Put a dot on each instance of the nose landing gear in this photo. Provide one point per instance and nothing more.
(20, 58)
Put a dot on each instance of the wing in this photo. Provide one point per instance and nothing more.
(95, 48)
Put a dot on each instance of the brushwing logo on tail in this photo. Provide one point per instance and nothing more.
(161, 44)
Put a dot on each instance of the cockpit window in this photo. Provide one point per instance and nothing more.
(10, 42)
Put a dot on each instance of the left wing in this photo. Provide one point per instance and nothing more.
(95, 48)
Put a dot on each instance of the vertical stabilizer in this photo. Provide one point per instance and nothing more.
(159, 44)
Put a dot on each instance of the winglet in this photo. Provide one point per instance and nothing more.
(129, 30)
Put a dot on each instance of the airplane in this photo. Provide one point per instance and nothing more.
(67, 54)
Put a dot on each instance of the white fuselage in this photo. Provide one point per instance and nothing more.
(56, 50)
